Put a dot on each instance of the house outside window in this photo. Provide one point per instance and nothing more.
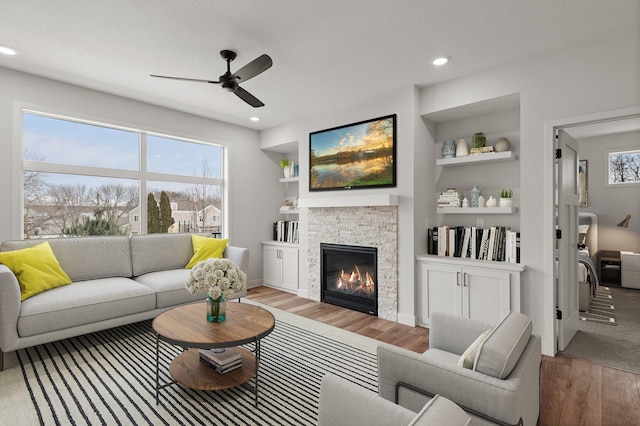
(623, 167)
(82, 178)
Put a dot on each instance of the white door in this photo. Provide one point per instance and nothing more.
(289, 258)
(439, 290)
(566, 279)
(272, 265)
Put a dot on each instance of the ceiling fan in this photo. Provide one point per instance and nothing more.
(230, 82)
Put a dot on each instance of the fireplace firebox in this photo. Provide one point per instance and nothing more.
(349, 276)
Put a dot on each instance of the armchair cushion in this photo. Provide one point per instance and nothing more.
(500, 352)
(468, 358)
(440, 411)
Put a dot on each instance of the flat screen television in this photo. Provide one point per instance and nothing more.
(354, 156)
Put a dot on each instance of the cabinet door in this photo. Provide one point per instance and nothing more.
(439, 290)
(289, 259)
(271, 265)
(486, 294)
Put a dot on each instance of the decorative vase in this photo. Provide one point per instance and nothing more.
(491, 202)
(216, 309)
(449, 148)
(473, 196)
(502, 145)
(462, 149)
(287, 171)
(479, 140)
(481, 201)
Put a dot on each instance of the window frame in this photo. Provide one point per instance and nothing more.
(141, 175)
(607, 167)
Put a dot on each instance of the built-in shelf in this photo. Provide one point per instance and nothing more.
(488, 157)
(350, 200)
(507, 266)
(290, 179)
(476, 210)
(285, 210)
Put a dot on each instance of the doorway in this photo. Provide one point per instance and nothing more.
(626, 120)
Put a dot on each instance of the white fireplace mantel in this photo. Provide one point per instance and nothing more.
(350, 200)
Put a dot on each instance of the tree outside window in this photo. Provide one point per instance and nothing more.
(624, 167)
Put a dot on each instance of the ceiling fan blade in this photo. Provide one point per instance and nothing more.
(248, 97)
(253, 68)
(185, 79)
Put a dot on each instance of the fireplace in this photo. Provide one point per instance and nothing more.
(348, 277)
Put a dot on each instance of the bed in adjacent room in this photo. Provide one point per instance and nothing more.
(587, 254)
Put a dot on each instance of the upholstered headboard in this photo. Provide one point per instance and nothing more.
(588, 224)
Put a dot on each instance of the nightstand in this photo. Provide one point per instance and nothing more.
(609, 265)
(630, 265)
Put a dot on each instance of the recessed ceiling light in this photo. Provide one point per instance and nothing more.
(441, 60)
(254, 118)
(6, 50)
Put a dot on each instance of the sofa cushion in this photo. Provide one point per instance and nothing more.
(159, 252)
(169, 287)
(442, 412)
(468, 357)
(206, 248)
(501, 351)
(87, 258)
(83, 302)
(36, 269)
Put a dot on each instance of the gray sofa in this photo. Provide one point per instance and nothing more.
(116, 280)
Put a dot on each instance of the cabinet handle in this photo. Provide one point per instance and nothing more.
(464, 279)
(458, 279)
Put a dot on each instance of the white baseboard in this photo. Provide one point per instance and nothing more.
(304, 293)
(410, 320)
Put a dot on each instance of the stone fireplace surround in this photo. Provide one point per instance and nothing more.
(373, 226)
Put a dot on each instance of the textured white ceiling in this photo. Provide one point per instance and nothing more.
(325, 53)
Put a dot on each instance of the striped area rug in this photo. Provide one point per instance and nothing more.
(108, 378)
(601, 310)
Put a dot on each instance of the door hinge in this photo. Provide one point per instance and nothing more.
(558, 234)
(558, 153)
(558, 314)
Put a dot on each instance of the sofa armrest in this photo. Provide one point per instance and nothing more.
(452, 333)
(240, 256)
(345, 403)
(9, 309)
(505, 400)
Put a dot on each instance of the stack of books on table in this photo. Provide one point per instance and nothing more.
(222, 360)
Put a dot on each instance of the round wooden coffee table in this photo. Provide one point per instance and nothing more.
(187, 326)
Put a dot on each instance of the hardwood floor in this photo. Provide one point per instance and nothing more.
(574, 392)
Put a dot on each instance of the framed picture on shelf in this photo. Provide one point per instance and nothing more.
(358, 155)
(583, 183)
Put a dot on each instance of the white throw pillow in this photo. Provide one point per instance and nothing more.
(469, 356)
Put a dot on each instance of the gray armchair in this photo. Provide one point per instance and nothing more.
(343, 403)
(502, 386)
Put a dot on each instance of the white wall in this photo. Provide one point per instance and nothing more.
(246, 161)
(611, 204)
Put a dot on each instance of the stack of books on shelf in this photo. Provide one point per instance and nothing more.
(497, 243)
(222, 360)
(450, 198)
(285, 231)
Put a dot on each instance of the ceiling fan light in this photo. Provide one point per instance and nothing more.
(254, 118)
(6, 50)
(441, 60)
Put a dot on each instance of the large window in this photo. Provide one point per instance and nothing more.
(623, 167)
(91, 179)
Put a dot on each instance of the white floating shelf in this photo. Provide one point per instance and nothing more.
(476, 210)
(284, 210)
(488, 157)
(290, 179)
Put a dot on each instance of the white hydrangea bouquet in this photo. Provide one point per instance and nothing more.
(217, 277)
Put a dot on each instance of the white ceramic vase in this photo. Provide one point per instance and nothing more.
(506, 202)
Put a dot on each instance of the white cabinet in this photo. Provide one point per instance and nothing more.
(481, 290)
(280, 265)
(630, 265)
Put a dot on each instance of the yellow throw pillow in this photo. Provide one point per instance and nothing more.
(205, 248)
(468, 358)
(36, 268)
